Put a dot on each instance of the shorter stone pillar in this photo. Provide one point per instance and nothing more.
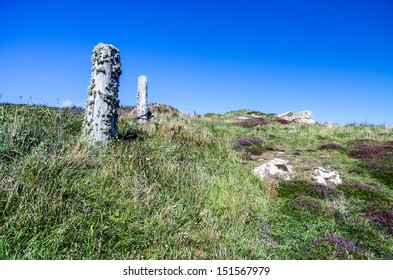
(143, 113)
(102, 103)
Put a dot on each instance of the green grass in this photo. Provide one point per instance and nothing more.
(179, 190)
(329, 223)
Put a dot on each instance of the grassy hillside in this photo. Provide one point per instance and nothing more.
(184, 188)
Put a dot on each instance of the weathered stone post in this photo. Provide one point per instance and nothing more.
(102, 102)
(143, 113)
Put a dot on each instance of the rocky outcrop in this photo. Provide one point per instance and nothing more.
(323, 175)
(303, 117)
(102, 103)
(274, 169)
(285, 115)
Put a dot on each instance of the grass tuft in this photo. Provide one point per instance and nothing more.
(331, 146)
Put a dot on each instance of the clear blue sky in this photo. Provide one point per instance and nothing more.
(332, 57)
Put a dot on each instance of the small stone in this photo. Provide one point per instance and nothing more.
(276, 168)
(304, 117)
(323, 175)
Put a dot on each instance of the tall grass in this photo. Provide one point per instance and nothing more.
(179, 190)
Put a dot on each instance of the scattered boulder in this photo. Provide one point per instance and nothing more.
(304, 117)
(276, 168)
(322, 175)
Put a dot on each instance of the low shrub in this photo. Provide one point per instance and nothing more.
(364, 192)
(252, 145)
(292, 189)
(383, 219)
(331, 146)
(252, 122)
(283, 121)
(377, 159)
(342, 242)
(362, 151)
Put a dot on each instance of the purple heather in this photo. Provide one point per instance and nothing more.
(252, 122)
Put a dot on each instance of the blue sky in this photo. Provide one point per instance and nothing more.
(333, 57)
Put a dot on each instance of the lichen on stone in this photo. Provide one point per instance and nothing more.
(102, 103)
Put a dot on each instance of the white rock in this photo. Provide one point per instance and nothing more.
(304, 117)
(285, 115)
(276, 168)
(322, 175)
(242, 118)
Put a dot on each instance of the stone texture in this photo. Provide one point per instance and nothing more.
(274, 169)
(143, 113)
(102, 102)
(304, 117)
(285, 115)
(323, 175)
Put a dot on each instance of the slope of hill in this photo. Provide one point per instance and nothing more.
(184, 188)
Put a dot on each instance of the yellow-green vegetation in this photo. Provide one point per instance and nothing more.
(180, 189)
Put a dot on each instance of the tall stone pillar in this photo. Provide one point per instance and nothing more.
(102, 102)
(143, 113)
